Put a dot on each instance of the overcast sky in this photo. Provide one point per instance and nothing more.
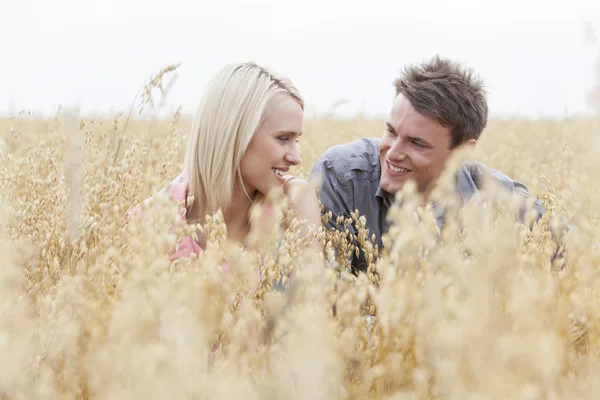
(97, 53)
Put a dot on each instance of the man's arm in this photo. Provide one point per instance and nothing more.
(558, 234)
(522, 190)
(477, 172)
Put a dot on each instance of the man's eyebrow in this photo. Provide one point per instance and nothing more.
(419, 140)
(412, 138)
(390, 127)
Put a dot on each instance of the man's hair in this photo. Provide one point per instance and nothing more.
(448, 92)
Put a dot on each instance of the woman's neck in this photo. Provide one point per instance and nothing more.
(236, 215)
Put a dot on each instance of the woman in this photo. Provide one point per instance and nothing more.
(241, 146)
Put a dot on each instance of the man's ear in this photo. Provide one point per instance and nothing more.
(466, 146)
(469, 144)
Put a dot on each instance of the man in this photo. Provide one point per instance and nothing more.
(440, 107)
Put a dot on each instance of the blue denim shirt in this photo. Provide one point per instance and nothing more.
(349, 179)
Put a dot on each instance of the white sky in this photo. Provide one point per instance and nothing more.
(97, 53)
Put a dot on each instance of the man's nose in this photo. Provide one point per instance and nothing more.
(397, 151)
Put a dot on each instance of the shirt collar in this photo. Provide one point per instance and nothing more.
(466, 186)
(385, 197)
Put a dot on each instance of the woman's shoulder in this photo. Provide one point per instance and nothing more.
(177, 190)
(178, 187)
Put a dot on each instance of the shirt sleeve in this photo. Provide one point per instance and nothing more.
(336, 197)
(561, 226)
(522, 190)
(558, 226)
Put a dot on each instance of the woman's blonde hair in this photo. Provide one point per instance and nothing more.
(231, 110)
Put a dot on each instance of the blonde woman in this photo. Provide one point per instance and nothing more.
(242, 144)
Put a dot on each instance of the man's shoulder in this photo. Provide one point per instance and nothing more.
(479, 173)
(474, 175)
(346, 160)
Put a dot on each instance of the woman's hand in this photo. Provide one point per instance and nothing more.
(303, 200)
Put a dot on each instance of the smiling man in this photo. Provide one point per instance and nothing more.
(439, 107)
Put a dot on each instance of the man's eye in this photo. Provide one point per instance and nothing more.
(283, 138)
(418, 144)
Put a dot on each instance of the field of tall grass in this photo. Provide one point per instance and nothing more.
(94, 310)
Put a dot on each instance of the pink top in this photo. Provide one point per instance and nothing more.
(178, 189)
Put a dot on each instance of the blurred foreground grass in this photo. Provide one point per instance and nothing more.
(90, 310)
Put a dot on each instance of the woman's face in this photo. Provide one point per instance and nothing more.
(274, 147)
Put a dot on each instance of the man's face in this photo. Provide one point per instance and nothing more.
(413, 146)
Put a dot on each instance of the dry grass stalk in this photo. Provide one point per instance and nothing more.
(95, 311)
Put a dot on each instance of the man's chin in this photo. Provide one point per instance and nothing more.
(391, 187)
